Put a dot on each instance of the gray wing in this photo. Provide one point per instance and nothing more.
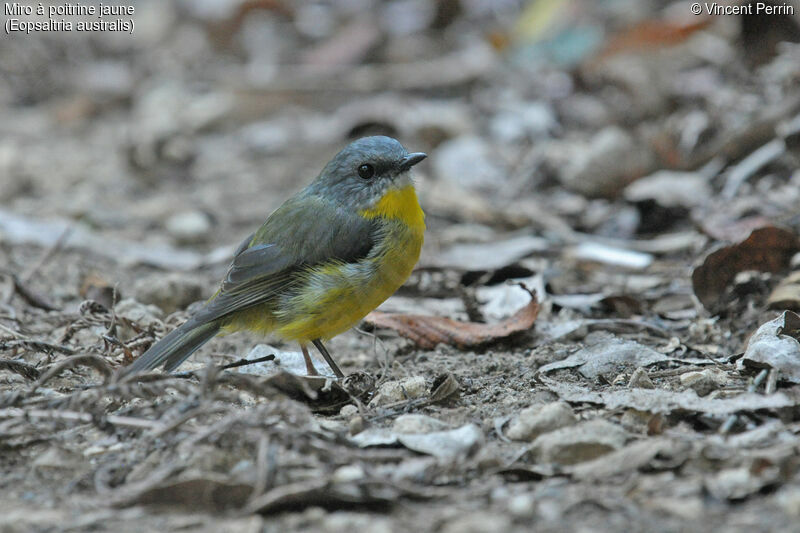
(303, 232)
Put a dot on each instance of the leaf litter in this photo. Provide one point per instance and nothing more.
(634, 392)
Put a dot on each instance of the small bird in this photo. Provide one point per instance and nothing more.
(323, 260)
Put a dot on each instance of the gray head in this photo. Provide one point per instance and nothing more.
(364, 170)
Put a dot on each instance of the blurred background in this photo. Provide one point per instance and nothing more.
(595, 150)
(537, 115)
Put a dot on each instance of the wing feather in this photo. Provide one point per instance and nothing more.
(303, 233)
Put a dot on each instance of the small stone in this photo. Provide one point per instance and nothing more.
(348, 473)
(522, 505)
(603, 165)
(416, 423)
(640, 380)
(469, 161)
(143, 315)
(536, 420)
(738, 483)
(789, 500)
(478, 522)
(703, 382)
(348, 410)
(582, 442)
(356, 425)
(635, 421)
(670, 189)
(532, 120)
(189, 227)
(56, 458)
(170, 292)
(398, 391)
(446, 445)
(347, 522)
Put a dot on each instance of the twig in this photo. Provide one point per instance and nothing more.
(29, 295)
(750, 165)
(731, 420)
(245, 362)
(772, 381)
(471, 304)
(55, 247)
(265, 466)
(185, 417)
(94, 361)
(51, 414)
(18, 367)
(116, 342)
(31, 344)
(14, 333)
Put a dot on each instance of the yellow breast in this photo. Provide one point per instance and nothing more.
(399, 204)
(336, 296)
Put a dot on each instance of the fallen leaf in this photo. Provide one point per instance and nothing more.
(446, 445)
(634, 456)
(775, 345)
(787, 294)
(766, 250)
(598, 252)
(489, 256)
(608, 356)
(206, 492)
(652, 34)
(323, 493)
(428, 331)
(664, 401)
(740, 483)
(445, 386)
(727, 227)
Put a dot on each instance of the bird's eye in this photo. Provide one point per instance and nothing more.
(366, 171)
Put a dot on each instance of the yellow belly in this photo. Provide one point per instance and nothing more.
(332, 298)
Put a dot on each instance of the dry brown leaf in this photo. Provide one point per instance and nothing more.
(766, 250)
(208, 491)
(652, 34)
(787, 294)
(428, 331)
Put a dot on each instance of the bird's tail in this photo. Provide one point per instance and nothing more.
(175, 347)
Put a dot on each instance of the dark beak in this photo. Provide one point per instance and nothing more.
(412, 159)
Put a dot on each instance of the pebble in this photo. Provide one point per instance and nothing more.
(640, 380)
(522, 505)
(189, 227)
(348, 410)
(446, 445)
(398, 391)
(537, 420)
(55, 458)
(703, 382)
(170, 292)
(670, 189)
(532, 120)
(347, 522)
(143, 315)
(478, 522)
(356, 425)
(469, 161)
(416, 424)
(602, 166)
(789, 500)
(582, 442)
(348, 473)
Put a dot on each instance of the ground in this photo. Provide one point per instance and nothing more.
(630, 165)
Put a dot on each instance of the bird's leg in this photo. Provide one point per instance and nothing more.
(310, 370)
(328, 358)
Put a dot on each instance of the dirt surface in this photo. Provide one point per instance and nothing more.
(632, 165)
